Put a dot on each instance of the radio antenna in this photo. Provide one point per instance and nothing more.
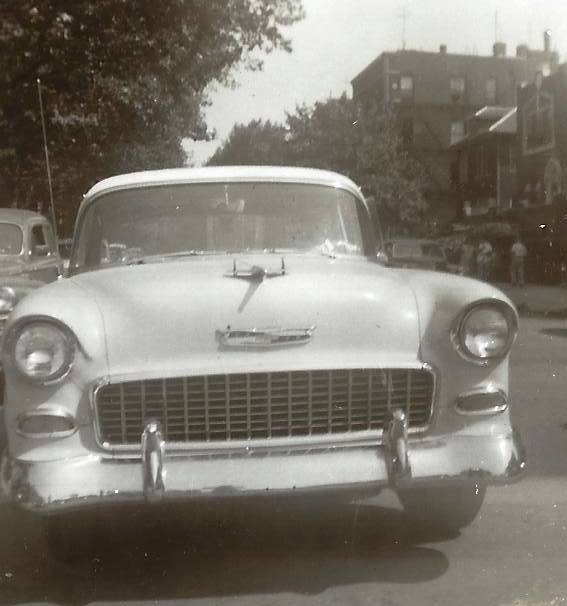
(404, 17)
(52, 204)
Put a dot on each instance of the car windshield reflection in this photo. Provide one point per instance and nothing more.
(160, 223)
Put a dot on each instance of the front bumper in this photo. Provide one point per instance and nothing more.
(96, 480)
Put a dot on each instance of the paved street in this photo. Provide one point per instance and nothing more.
(514, 555)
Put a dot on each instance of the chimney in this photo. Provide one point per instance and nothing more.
(499, 49)
(547, 41)
(443, 49)
(522, 51)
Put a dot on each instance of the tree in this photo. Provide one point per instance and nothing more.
(256, 143)
(123, 81)
(339, 134)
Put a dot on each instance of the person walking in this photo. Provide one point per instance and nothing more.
(483, 259)
(518, 254)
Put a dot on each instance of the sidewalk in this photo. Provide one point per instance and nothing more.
(537, 299)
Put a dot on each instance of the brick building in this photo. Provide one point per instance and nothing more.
(434, 93)
(513, 170)
(540, 208)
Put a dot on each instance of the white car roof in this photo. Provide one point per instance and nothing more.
(221, 174)
(20, 216)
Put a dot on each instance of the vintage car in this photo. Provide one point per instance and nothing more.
(28, 256)
(230, 332)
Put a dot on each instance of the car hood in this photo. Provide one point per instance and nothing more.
(164, 318)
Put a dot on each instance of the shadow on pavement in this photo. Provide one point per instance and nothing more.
(181, 555)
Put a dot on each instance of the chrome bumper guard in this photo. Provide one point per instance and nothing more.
(99, 479)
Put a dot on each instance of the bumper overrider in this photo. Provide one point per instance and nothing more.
(156, 475)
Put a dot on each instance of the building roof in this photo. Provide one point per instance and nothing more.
(491, 112)
(432, 73)
(507, 125)
(501, 120)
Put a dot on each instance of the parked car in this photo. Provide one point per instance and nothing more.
(28, 256)
(418, 253)
(230, 332)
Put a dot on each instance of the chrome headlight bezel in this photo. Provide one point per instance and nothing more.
(8, 299)
(61, 336)
(502, 312)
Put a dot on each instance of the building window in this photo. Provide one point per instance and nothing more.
(538, 123)
(457, 88)
(406, 88)
(491, 91)
(457, 131)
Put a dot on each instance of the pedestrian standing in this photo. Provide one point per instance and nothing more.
(518, 254)
(483, 259)
(467, 258)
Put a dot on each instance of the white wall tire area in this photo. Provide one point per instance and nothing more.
(445, 507)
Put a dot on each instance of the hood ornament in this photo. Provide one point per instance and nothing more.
(256, 272)
(264, 337)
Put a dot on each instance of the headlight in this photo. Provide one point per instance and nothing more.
(8, 299)
(41, 350)
(485, 331)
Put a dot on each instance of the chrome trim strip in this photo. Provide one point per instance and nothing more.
(47, 412)
(153, 457)
(511, 317)
(493, 459)
(489, 390)
(396, 446)
(256, 272)
(264, 337)
(70, 338)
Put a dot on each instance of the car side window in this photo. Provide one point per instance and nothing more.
(40, 241)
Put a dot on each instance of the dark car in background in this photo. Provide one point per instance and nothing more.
(417, 253)
(29, 256)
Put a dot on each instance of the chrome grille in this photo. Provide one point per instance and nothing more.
(262, 405)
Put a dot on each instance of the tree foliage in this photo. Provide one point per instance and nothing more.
(258, 142)
(339, 134)
(123, 81)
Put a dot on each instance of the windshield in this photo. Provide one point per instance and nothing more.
(162, 221)
(11, 239)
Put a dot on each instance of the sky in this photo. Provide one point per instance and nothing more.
(339, 38)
